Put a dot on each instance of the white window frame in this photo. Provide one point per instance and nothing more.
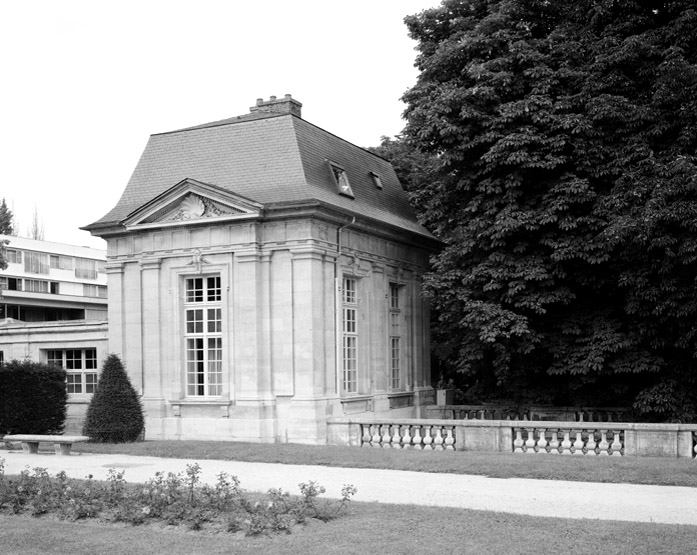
(395, 337)
(81, 365)
(349, 334)
(203, 336)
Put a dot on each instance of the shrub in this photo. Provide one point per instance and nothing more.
(32, 398)
(115, 414)
(173, 499)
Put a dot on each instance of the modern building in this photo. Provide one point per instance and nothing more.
(264, 276)
(53, 309)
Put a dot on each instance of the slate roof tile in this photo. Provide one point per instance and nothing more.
(269, 158)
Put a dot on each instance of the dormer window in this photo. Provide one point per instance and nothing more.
(376, 180)
(343, 187)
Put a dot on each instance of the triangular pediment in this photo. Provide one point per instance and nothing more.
(192, 201)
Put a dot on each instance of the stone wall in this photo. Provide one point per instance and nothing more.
(281, 310)
(523, 437)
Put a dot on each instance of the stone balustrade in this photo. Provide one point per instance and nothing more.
(408, 436)
(565, 441)
(518, 436)
(528, 412)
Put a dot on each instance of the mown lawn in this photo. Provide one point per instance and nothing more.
(368, 528)
(635, 470)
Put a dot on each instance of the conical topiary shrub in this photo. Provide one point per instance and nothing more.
(115, 414)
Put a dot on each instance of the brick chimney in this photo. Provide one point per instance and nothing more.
(286, 105)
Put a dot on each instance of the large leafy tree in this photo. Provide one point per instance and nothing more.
(565, 136)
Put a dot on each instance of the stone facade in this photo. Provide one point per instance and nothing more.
(255, 320)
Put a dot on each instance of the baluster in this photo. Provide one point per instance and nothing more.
(694, 442)
(427, 438)
(438, 440)
(376, 435)
(416, 438)
(578, 444)
(518, 442)
(566, 443)
(590, 444)
(396, 437)
(450, 438)
(603, 445)
(542, 441)
(530, 443)
(616, 444)
(386, 436)
(406, 437)
(365, 435)
(554, 442)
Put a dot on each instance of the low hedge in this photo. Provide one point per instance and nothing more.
(32, 398)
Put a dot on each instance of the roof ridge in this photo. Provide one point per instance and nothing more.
(244, 118)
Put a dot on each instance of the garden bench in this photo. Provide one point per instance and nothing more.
(61, 444)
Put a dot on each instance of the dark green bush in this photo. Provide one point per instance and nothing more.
(115, 414)
(32, 398)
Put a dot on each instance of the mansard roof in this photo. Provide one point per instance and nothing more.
(269, 158)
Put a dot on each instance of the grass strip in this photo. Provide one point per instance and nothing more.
(633, 470)
(391, 529)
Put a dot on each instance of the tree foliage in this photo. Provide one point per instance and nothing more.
(114, 414)
(6, 219)
(566, 191)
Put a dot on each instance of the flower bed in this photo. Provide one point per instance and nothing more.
(172, 499)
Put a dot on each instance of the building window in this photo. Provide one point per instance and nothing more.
(376, 180)
(341, 179)
(349, 335)
(395, 337)
(89, 290)
(10, 283)
(14, 256)
(85, 268)
(36, 262)
(36, 286)
(81, 365)
(60, 262)
(203, 336)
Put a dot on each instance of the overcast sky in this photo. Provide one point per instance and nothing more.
(84, 84)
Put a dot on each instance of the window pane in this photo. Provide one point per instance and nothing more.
(350, 364)
(54, 357)
(73, 359)
(215, 366)
(214, 291)
(349, 290)
(74, 383)
(91, 359)
(194, 290)
(90, 382)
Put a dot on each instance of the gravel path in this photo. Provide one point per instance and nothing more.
(549, 498)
